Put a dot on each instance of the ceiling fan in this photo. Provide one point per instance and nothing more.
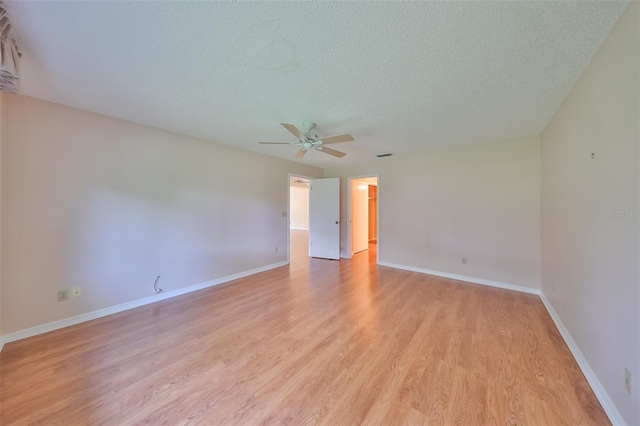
(307, 140)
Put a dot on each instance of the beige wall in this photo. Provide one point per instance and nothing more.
(108, 205)
(480, 202)
(590, 258)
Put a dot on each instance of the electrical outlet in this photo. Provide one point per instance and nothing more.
(627, 380)
(63, 295)
(76, 292)
(464, 260)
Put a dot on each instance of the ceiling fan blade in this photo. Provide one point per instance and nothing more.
(301, 152)
(276, 143)
(330, 151)
(336, 139)
(293, 129)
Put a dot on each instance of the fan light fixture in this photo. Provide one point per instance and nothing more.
(308, 141)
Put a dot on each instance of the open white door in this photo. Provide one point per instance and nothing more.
(324, 218)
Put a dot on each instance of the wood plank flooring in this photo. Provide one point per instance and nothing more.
(316, 342)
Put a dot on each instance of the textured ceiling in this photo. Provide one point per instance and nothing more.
(398, 76)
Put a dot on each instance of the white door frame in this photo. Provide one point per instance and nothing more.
(349, 252)
(289, 176)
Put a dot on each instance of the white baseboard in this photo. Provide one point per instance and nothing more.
(55, 325)
(300, 229)
(463, 278)
(602, 395)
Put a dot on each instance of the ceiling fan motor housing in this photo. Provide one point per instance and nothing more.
(307, 127)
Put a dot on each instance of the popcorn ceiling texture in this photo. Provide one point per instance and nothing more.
(400, 77)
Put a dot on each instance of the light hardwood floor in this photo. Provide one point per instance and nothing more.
(318, 341)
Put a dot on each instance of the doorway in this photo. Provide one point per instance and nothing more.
(363, 211)
(298, 230)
